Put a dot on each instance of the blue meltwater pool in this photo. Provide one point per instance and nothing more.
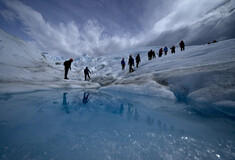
(97, 125)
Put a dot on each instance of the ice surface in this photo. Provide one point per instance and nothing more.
(179, 106)
(202, 73)
(89, 124)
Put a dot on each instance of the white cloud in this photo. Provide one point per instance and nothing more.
(191, 20)
(185, 13)
(8, 15)
(66, 39)
(71, 40)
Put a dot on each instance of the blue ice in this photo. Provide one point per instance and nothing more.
(88, 125)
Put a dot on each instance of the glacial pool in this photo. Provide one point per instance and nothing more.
(98, 125)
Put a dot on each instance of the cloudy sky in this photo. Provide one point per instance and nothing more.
(70, 28)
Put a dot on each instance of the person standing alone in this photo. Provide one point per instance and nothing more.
(67, 66)
(87, 72)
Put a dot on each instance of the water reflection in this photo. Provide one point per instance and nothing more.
(150, 120)
(159, 123)
(121, 109)
(136, 115)
(6, 96)
(172, 129)
(106, 126)
(65, 104)
(86, 98)
(129, 112)
(132, 112)
(164, 127)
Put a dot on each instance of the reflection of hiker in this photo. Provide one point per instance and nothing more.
(160, 52)
(150, 121)
(136, 115)
(123, 63)
(173, 49)
(87, 72)
(172, 129)
(67, 66)
(165, 50)
(121, 109)
(137, 60)
(85, 98)
(129, 112)
(164, 128)
(65, 103)
(182, 45)
(131, 63)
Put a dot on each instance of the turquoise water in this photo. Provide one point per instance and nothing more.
(88, 125)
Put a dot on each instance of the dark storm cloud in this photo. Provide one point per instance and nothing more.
(97, 27)
(216, 24)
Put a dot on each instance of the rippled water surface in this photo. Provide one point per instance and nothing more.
(88, 125)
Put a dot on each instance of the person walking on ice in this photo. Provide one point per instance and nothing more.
(123, 63)
(150, 55)
(154, 55)
(67, 66)
(173, 49)
(131, 63)
(182, 45)
(137, 59)
(87, 72)
(160, 52)
(165, 50)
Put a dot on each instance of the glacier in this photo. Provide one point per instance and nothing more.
(201, 73)
(179, 106)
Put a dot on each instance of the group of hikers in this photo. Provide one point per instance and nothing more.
(151, 55)
(67, 66)
(131, 61)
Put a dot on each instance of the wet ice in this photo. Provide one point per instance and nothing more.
(78, 124)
